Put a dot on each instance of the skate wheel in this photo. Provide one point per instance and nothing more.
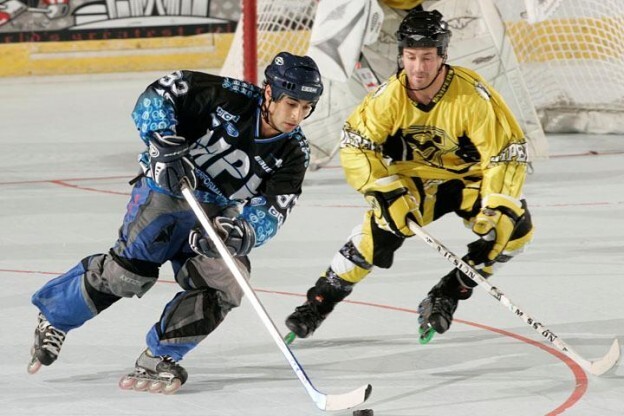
(141, 385)
(156, 386)
(426, 335)
(172, 387)
(127, 383)
(34, 366)
(289, 338)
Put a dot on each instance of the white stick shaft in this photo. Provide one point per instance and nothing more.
(322, 401)
(597, 368)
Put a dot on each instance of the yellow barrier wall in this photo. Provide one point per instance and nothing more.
(117, 55)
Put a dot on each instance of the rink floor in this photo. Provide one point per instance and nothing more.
(68, 149)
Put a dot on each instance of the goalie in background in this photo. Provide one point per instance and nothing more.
(240, 146)
(431, 140)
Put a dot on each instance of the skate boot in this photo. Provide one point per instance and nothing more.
(47, 346)
(437, 309)
(156, 374)
(305, 320)
(435, 314)
(322, 298)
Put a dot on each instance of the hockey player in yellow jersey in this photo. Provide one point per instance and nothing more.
(433, 139)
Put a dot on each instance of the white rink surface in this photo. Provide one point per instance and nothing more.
(68, 149)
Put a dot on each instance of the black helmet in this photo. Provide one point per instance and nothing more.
(424, 29)
(295, 76)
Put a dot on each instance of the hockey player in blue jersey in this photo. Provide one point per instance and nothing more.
(242, 150)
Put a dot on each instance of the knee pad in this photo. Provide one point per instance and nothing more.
(202, 272)
(384, 245)
(105, 274)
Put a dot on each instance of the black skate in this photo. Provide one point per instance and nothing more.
(155, 374)
(435, 314)
(47, 346)
(304, 321)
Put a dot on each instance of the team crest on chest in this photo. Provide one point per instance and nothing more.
(429, 142)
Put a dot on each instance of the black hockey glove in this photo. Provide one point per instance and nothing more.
(239, 237)
(169, 162)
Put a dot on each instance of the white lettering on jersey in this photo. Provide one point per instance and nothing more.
(515, 151)
(285, 201)
(202, 153)
(227, 116)
(249, 189)
(275, 213)
(236, 163)
(174, 83)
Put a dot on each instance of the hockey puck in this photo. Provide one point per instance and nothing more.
(363, 412)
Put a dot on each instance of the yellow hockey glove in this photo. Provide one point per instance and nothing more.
(392, 204)
(497, 221)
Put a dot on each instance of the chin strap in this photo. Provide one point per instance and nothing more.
(264, 112)
(407, 87)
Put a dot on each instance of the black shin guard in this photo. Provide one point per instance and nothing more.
(321, 300)
(328, 291)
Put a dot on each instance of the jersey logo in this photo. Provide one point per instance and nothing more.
(231, 130)
(265, 167)
(429, 142)
(226, 115)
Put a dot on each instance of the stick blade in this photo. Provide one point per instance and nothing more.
(606, 363)
(344, 401)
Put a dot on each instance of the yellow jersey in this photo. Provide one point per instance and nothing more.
(467, 132)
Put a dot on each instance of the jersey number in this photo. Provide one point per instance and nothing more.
(175, 83)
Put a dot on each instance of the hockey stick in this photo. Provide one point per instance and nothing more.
(597, 367)
(328, 402)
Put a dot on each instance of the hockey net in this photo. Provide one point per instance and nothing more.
(572, 59)
(557, 63)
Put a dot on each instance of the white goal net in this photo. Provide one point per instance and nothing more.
(557, 62)
(572, 59)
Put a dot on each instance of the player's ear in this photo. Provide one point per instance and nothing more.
(267, 93)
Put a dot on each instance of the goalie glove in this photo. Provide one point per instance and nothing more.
(393, 204)
(497, 221)
(238, 236)
(169, 162)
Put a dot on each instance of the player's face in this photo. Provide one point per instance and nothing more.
(287, 113)
(421, 65)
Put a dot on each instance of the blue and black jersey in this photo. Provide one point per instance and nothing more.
(221, 119)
